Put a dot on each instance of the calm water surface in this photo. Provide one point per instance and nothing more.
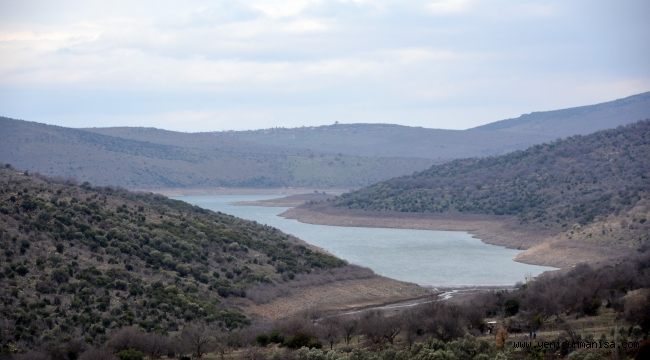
(425, 257)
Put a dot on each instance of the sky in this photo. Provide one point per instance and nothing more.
(235, 65)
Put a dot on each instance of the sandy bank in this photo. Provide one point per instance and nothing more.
(283, 191)
(290, 200)
(339, 296)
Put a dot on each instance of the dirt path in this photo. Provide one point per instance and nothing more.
(436, 295)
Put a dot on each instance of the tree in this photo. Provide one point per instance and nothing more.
(330, 330)
(97, 354)
(349, 327)
(379, 329)
(412, 325)
(197, 338)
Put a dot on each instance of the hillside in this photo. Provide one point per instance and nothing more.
(111, 160)
(576, 121)
(340, 155)
(595, 187)
(81, 260)
(386, 140)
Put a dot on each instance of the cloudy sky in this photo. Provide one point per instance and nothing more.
(219, 65)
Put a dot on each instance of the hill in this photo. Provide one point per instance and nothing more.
(82, 260)
(576, 121)
(340, 155)
(593, 187)
(111, 160)
(386, 140)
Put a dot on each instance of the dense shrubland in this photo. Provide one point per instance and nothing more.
(553, 303)
(603, 177)
(81, 261)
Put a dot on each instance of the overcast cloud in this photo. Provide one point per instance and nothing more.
(218, 65)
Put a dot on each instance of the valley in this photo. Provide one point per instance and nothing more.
(530, 238)
(324, 180)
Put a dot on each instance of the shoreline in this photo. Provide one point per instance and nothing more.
(280, 191)
(538, 248)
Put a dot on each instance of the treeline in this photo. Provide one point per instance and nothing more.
(574, 181)
(78, 259)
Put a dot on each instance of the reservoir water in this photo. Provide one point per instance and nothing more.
(424, 257)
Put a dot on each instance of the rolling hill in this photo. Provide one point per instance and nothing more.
(386, 140)
(112, 160)
(594, 187)
(340, 155)
(80, 260)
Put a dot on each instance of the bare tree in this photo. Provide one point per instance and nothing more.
(412, 325)
(125, 338)
(32, 355)
(197, 338)
(223, 342)
(330, 330)
(444, 322)
(350, 327)
(379, 329)
(391, 327)
(97, 354)
(156, 345)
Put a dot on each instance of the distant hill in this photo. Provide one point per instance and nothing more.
(386, 140)
(340, 155)
(576, 121)
(80, 261)
(113, 160)
(597, 185)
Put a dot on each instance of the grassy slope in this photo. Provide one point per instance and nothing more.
(593, 187)
(83, 260)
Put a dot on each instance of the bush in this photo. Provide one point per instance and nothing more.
(262, 340)
(511, 307)
(300, 340)
(130, 354)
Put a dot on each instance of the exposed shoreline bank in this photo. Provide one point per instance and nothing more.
(280, 191)
(539, 248)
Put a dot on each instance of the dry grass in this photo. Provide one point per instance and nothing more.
(338, 295)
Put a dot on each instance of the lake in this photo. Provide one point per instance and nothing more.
(424, 257)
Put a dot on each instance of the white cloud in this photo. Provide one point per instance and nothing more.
(443, 7)
(281, 8)
(370, 58)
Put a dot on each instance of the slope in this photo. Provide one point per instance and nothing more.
(111, 160)
(79, 260)
(402, 141)
(565, 186)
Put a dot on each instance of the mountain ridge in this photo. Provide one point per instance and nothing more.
(331, 156)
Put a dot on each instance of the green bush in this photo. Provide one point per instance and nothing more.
(130, 354)
(300, 340)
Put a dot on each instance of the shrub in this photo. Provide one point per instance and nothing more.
(300, 340)
(130, 354)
